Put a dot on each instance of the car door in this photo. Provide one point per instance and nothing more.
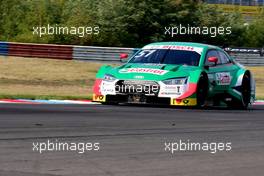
(220, 73)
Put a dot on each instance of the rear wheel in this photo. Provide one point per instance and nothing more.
(246, 91)
(245, 95)
(202, 90)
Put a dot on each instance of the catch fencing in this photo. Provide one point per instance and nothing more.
(246, 56)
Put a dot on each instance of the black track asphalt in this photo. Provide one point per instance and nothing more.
(132, 140)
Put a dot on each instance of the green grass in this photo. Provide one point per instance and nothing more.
(34, 78)
(258, 76)
(46, 78)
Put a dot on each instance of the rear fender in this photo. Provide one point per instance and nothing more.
(238, 82)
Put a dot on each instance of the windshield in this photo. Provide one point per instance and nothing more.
(167, 56)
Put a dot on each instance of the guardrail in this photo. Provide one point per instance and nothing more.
(249, 59)
(3, 48)
(246, 56)
(67, 52)
(100, 53)
(37, 50)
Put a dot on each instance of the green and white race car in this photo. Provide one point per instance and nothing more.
(176, 73)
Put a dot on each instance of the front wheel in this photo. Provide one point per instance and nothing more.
(202, 90)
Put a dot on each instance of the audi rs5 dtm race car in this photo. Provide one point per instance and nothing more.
(176, 73)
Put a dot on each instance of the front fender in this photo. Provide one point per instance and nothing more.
(195, 76)
(192, 84)
(102, 70)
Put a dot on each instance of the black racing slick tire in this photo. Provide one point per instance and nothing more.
(202, 91)
(246, 91)
(245, 94)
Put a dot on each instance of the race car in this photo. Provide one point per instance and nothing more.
(176, 73)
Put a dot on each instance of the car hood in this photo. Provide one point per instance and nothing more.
(151, 71)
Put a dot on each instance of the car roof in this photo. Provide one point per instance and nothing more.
(184, 44)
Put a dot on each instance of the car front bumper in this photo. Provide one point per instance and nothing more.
(143, 99)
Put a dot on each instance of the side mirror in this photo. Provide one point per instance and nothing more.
(213, 59)
(123, 56)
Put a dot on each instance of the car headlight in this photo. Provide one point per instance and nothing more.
(176, 81)
(109, 78)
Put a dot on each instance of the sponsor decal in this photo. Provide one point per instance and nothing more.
(107, 88)
(243, 9)
(162, 94)
(143, 70)
(184, 102)
(174, 88)
(100, 98)
(171, 90)
(139, 77)
(175, 47)
(154, 64)
(223, 78)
